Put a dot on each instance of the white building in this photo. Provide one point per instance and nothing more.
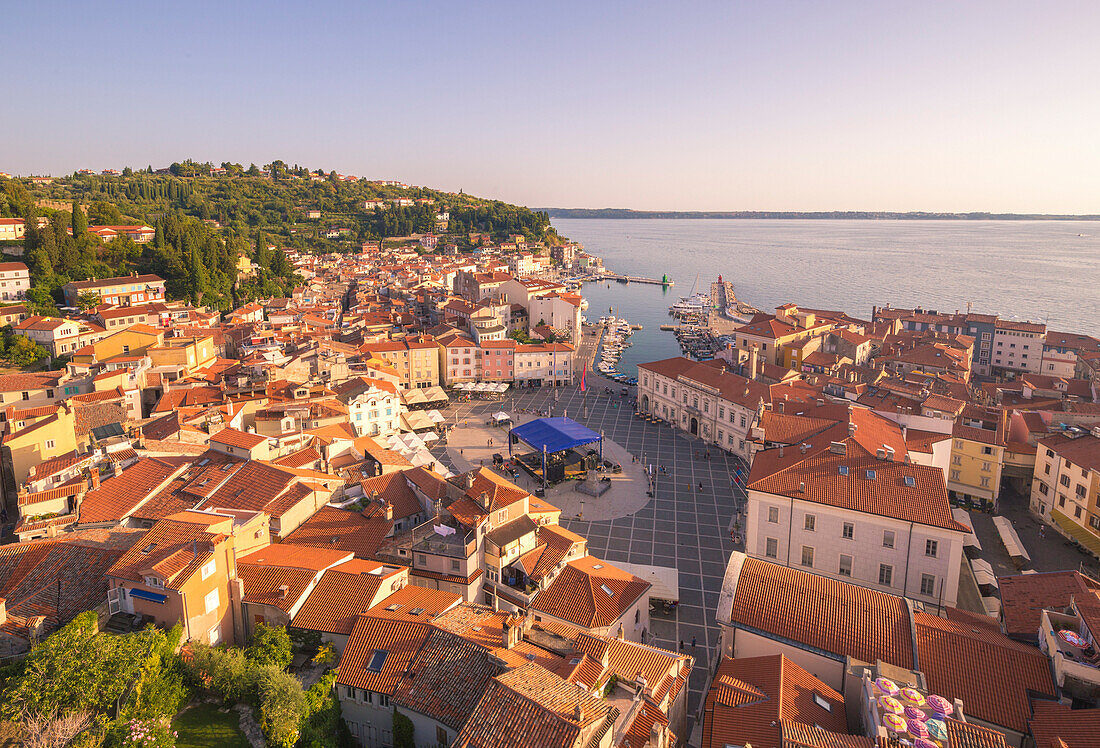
(15, 280)
(1018, 347)
(705, 399)
(874, 519)
(376, 411)
(539, 364)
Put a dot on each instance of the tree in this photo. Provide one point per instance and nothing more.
(270, 645)
(88, 300)
(404, 734)
(79, 222)
(282, 705)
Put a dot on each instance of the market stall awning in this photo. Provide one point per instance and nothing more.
(664, 580)
(963, 518)
(554, 434)
(500, 415)
(1010, 539)
(1076, 531)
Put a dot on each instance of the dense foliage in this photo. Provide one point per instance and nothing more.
(91, 682)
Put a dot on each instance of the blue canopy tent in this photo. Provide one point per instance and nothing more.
(548, 435)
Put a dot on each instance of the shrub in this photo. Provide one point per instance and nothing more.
(282, 705)
(270, 645)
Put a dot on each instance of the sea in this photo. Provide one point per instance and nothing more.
(1043, 271)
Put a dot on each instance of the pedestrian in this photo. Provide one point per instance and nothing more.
(693, 644)
(700, 485)
(1042, 531)
(681, 645)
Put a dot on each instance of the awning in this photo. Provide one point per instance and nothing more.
(1010, 539)
(1077, 532)
(500, 415)
(664, 580)
(146, 595)
(963, 517)
(983, 572)
(554, 434)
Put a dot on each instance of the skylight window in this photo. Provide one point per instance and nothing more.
(597, 566)
(871, 475)
(910, 481)
(377, 660)
(822, 702)
(843, 469)
(149, 547)
(607, 589)
(416, 611)
(393, 608)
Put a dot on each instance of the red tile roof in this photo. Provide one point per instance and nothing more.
(751, 699)
(118, 497)
(1055, 725)
(991, 673)
(336, 528)
(580, 595)
(530, 707)
(1024, 596)
(823, 613)
(343, 593)
(399, 639)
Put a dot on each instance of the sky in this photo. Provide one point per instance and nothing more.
(827, 105)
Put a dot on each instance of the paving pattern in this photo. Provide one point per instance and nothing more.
(684, 525)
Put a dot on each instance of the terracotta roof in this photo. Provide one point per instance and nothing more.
(393, 489)
(336, 528)
(344, 592)
(119, 496)
(399, 640)
(242, 439)
(751, 698)
(1055, 725)
(1024, 596)
(829, 615)
(174, 548)
(412, 597)
(530, 707)
(991, 673)
(970, 735)
(863, 484)
(590, 593)
(447, 678)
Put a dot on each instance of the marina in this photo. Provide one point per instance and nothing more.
(615, 339)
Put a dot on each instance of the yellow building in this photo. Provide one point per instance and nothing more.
(1066, 485)
(39, 439)
(416, 360)
(133, 341)
(183, 355)
(978, 454)
(776, 337)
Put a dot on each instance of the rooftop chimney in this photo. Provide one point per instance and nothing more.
(94, 478)
(284, 590)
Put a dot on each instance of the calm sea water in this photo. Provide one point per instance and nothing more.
(1039, 270)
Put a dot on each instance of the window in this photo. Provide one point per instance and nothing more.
(1064, 480)
(954, 475)
(931, 548)
(211, 601)
(209, 568)
(822, 702)
(887, 538)
(441, 736)
(807, 556)
(810, 522)
(985, 482)
(50, 444)
(1043, 489)
(847, 531)
(956, 459)
(845, 569)
(927, 584)
(771, 548)
(1094, 522)
(773, 514)
(377, 660)
(885, 574)
(454, 564)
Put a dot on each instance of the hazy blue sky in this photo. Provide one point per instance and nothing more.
(676, 105)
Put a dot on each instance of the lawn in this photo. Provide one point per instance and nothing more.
(204, 725)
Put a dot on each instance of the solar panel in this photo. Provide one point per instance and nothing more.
(377, 660)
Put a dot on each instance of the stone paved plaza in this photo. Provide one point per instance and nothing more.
(683, 526)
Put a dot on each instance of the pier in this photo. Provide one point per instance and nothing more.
(606, 275)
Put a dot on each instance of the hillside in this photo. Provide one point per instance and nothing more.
(204, 222)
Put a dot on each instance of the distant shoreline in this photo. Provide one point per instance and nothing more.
(624, 213)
